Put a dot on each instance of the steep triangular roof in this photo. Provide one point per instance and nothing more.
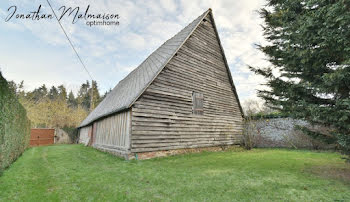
(128, 90)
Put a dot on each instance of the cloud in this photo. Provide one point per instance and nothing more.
(124, 68)
(239, 28)
(111, 52)
(134, 41)
(168, 5)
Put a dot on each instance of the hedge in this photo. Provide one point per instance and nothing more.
(14, 126)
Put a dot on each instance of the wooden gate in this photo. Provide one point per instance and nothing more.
(41, 136)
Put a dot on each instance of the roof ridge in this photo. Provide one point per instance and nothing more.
(130, 88)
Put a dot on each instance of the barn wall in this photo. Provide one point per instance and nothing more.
(84, 135)
(113, 133)
(162, 116)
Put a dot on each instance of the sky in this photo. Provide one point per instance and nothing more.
(38, 52)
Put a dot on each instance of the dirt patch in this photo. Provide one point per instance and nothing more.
(329, 172)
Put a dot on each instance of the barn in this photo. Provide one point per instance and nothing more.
(182, 96)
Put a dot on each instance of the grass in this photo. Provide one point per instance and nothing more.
(78, 173)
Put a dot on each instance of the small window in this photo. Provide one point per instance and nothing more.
(197, 100)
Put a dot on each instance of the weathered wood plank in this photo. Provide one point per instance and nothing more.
(177, 136)
(162, 118)
(114, 130)
(84, 135)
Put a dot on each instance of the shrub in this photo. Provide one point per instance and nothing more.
(249, 131)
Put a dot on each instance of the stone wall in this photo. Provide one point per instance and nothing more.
(281, 132)
(62, 137)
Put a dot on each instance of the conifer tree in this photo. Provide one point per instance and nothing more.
(83, 97)
(96, 94)
(62, 92)
(72, 102)
(309, 49)
(53, 93)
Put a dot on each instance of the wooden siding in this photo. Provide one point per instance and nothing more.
(84, 135)
(162, 117)
(113, 133)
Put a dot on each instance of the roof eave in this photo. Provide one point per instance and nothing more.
(104, 116)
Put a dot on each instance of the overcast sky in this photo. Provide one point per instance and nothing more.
(38, 52)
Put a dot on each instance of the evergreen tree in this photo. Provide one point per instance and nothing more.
(96, 94)
(53, 93)
(38, 93)
(84, 98)
(62, 92)
(309, 51)
(20, 90)
(104, 95)
(84, 95)
(72, 102)
(54, 108)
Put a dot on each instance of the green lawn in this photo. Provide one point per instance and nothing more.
(75, 172)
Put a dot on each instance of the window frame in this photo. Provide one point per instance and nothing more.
(197, 103)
